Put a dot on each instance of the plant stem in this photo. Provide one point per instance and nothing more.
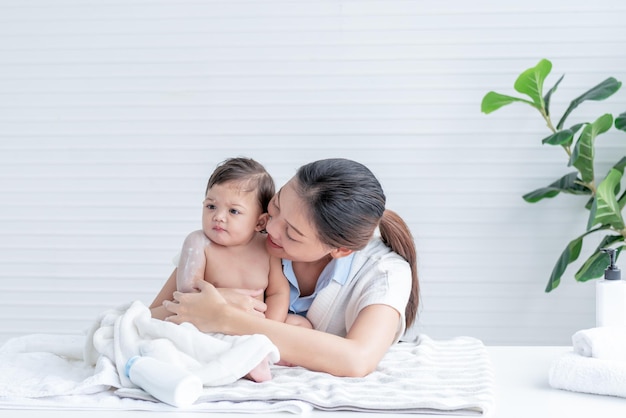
(548, 120)
(546, 117)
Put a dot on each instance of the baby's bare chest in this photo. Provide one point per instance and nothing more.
(235, 271)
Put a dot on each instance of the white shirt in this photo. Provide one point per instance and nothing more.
(377, 275)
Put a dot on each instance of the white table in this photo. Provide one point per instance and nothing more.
(522, 391)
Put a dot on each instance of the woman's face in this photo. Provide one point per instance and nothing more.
(290, 232)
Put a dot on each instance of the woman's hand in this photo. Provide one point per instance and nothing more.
(202, 309)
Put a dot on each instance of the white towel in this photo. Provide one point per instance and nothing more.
(589, 375)
(129, 330)
(606, 343)
(444, 377)
(119, 334)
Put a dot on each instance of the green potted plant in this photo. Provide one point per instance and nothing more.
(604, 200)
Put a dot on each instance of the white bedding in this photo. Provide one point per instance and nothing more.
(448, 376)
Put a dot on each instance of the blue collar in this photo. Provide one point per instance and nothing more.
(337, 270)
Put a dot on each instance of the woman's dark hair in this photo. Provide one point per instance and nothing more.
(346, 204)
(252, 175)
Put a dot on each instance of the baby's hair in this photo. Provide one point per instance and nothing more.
(249, 173)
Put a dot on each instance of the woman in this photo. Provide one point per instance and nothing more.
(359, 290)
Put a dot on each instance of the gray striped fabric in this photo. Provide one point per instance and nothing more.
(448, 376)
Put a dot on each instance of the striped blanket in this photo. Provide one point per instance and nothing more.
(452, 376)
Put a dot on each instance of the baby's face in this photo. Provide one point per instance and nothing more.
(230, 214)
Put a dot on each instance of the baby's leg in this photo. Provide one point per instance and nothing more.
(261, 373)
(192, 262)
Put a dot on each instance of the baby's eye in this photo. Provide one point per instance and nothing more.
(234, 212)
(210, 206)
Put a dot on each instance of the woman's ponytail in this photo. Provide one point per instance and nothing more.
(396, 235)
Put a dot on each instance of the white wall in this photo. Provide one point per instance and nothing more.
(113, 113)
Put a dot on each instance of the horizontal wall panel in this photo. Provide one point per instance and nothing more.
(113, 115)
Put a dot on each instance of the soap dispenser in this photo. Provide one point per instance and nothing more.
(611, 295)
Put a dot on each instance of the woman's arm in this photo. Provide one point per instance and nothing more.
(356, 355)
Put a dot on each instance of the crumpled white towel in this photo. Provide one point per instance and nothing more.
(129, 330)
(34, 377)
(606, 343)
(67, 367)
(41, 366)
(589, 375)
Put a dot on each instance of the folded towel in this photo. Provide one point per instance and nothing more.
(428, 376)
(589, 375)
(606, 343)
(449, 376)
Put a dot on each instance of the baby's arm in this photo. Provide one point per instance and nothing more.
(192, 262)
(157, 309)
(277, 292)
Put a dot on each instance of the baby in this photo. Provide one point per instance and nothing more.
(230, 249)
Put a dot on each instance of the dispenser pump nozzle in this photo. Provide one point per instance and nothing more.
(612, 272)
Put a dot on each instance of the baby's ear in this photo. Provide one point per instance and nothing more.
(262, 222)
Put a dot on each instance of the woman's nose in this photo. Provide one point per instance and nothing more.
(271, 227)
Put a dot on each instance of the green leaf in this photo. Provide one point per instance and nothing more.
(593, 267)
(609, 240)
(583, 152)
(569, 183)
(599, 92)
(548, 96)
(530, 82)
(593, 209)
(494, 101)
(608, 211)
(620, 121)
(622, 201)
(568, 256)
(564, 137)
(620, 165)
(543, 193)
